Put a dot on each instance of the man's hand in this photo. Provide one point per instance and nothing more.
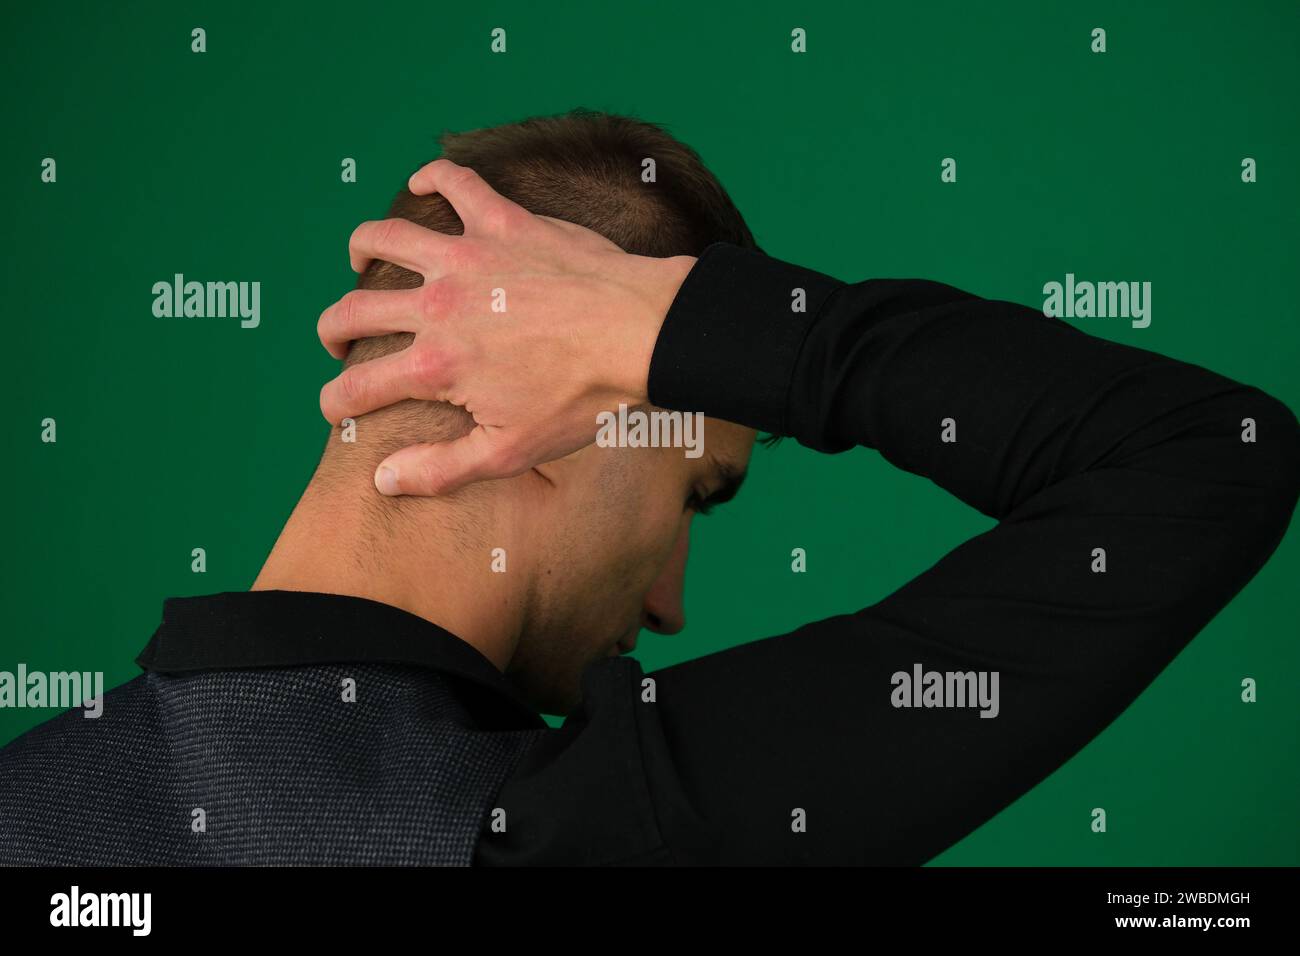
(579, 327)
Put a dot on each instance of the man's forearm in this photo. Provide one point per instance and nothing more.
(1131, 511)
(991, 400)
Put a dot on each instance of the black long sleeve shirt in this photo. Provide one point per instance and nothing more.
(785, 749)
(1071, 442)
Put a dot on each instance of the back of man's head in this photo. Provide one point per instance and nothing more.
(584, 167)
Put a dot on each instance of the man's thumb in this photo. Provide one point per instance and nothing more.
(440, 468)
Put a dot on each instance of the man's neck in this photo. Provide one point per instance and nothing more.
(415, 562)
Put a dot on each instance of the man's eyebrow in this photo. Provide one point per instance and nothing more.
(731, 479)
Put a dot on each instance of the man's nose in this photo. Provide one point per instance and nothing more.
(663, 611)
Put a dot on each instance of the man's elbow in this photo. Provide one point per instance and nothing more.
(1267, 461)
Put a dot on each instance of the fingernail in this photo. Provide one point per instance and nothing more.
(386, 481)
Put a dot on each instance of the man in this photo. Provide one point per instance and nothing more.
(373, 698)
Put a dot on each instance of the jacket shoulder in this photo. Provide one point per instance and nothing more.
(66, 780)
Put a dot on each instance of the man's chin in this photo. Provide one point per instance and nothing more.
(553, 699)
(560, 695)
(563, 697)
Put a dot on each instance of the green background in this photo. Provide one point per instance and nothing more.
(175, 434)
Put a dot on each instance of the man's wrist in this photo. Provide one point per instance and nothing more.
(654, 283)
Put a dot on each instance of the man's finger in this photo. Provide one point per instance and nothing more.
(479, 206)
(379, 382)
(366, 312)
(443, 467)
(398, 241)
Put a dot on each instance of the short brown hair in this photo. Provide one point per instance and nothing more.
(584, 167)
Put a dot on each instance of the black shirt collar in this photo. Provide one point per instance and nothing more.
(238, 629)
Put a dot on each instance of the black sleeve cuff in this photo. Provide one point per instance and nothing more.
(729, 343)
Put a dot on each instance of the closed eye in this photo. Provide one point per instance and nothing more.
(730, 480)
